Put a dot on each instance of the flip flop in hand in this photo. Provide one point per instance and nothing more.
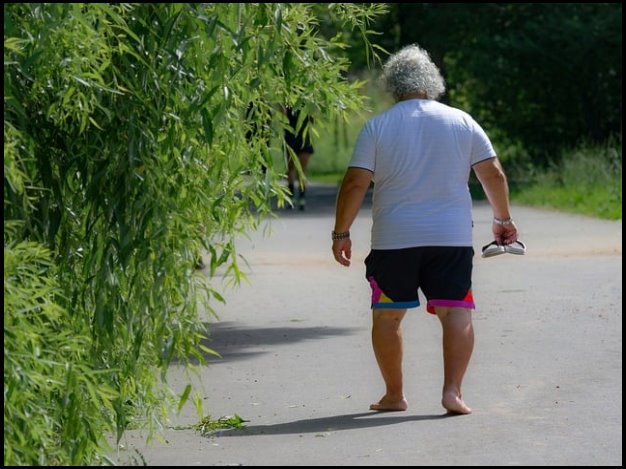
(495, 249)
(516, 247)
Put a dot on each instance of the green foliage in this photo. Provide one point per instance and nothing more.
(207, 426)
(333, 146)
(55, 404)
(588, 180)
(126, 156)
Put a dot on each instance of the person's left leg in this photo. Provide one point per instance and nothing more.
(291, 176)
(458, 344)
(387, 343)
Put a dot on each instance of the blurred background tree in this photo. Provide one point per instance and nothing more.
(546, 75)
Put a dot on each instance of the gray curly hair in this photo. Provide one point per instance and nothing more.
(411, 70)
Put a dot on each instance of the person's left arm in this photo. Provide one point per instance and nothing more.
(351, 194)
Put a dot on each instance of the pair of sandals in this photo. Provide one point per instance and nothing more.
(495, 249)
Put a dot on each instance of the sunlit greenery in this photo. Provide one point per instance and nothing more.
(125, 158)
(56, 405)
(587, 180)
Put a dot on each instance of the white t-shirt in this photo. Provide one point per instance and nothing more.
(421, 153)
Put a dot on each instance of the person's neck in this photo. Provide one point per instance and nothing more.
(416, 95)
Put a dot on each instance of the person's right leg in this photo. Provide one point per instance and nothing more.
(304, 162)
(387, 343)
(458, 344)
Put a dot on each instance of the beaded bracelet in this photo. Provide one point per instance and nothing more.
(338, 236)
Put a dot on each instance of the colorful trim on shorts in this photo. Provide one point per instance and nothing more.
(467, 302)
(382, 301)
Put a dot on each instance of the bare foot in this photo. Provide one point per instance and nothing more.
(454, 404)
(390, 404)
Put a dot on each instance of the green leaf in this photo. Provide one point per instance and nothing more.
(184, 397)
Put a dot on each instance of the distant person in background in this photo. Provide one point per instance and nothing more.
(300, 143)
(419, 153)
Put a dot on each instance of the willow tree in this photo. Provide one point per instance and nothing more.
(129, 149)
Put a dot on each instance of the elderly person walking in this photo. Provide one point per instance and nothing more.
(419, 154)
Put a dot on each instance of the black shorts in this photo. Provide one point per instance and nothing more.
(298, 142)
(444, 274)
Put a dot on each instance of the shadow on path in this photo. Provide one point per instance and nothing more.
(234, 342)
(331, 424)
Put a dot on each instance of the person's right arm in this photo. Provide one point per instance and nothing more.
(492, 178)
(349, 200)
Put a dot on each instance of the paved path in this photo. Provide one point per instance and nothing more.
(544, 381)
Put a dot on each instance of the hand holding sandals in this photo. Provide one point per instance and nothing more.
(505, 239)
